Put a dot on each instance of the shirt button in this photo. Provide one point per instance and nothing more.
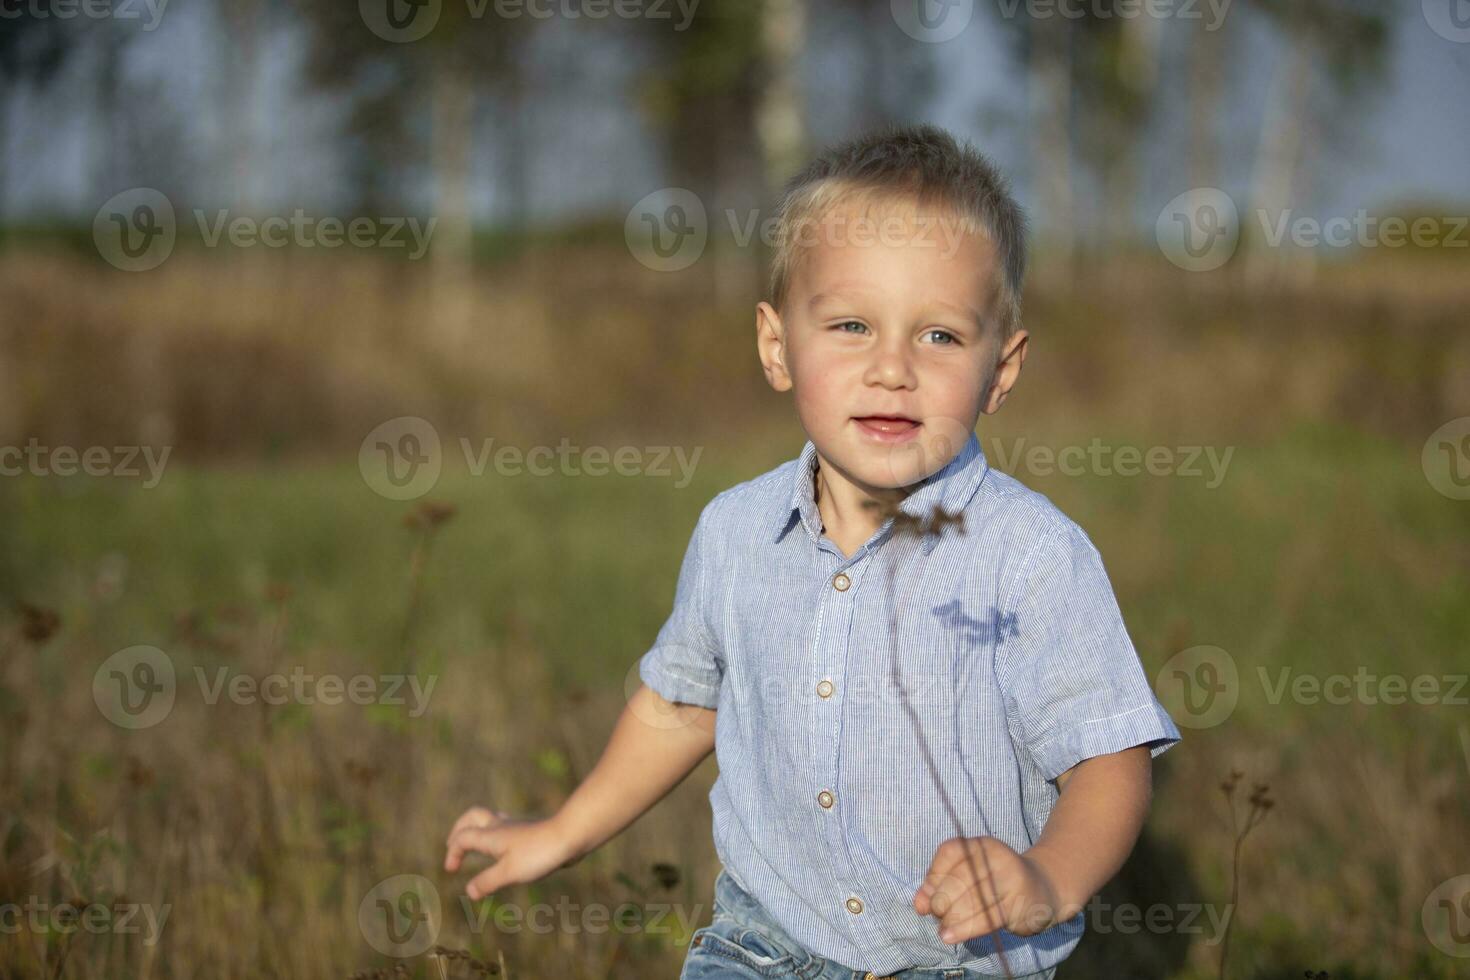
(824, 688)
(826, 799)
(855, 906)
(841, 582)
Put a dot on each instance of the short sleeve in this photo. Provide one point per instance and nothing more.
(1072, 680)
(685, 663)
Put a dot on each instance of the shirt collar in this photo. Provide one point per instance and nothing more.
(950, 488)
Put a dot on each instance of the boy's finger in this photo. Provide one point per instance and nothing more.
(978, 922)
(976, 913)
(475, 816)
(487, 882)
(481, 840)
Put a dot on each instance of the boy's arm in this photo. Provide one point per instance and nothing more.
(1094, 825)
(653, 746)
(976, 885)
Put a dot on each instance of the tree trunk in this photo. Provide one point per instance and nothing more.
(451, 145)
(1278, 156)
(780, 120)
(1050, 84)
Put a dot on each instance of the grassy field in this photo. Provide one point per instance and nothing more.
(262, 830)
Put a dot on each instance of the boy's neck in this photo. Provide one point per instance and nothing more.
(845, 506)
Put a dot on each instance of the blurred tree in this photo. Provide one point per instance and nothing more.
(32, 50)
(419, 103)
(1092, 84)
(701, 91)
(892, 73)
(1117, 72)
(781, 115)
(1046, 48)
(1342, 42)
(1208, 53)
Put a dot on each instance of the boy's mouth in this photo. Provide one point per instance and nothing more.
(888, 428)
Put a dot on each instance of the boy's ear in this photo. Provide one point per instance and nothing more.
(770, 345)
(1008, 369)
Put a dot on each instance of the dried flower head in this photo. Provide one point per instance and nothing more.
(429, 515)
(37, 624)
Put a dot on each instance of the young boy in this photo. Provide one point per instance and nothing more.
(933, 732)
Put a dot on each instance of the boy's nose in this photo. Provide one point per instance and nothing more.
(891, 369)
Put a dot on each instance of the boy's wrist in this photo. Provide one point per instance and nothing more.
(1064, 884)
(579, 840)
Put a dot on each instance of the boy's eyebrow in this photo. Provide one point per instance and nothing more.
(968, 311)
(820, 298)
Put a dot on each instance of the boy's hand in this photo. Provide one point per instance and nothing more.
(525, 850)
(1016, 893)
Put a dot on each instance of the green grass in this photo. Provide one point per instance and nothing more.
(1325, 550)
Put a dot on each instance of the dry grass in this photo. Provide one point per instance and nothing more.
(263, 828)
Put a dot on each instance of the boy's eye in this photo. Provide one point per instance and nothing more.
(944, 336)
(851, 323)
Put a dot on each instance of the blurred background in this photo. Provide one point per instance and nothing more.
(365, 367)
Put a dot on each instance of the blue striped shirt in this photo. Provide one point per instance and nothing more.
(995, 650)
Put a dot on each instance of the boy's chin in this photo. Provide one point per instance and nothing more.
(886, 470)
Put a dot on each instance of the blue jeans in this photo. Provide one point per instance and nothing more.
(744, 942)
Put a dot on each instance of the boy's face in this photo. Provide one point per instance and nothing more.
(887, 343)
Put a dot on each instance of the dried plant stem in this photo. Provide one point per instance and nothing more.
(1260, 805)
(900, 527)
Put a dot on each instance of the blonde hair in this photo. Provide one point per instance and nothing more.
(923, 165)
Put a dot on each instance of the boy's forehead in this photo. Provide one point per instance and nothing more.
(863, 246)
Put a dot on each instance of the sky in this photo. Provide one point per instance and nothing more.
(590, 151)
